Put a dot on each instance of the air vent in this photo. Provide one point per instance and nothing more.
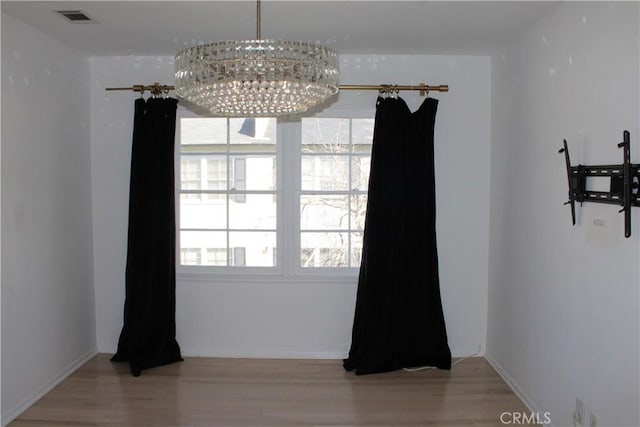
(75, 16)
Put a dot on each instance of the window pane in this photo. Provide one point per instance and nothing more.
(190, 256)
(216, 256)
(322, 212)
(200, 242)
(237, 257)
(255, 134)
(259, 247)
(325, 173)
(358, 211)
(325, 135)
(360, 166)
(324, 249)
(216, 173)
(203, 172)
(307, 256)
(356, 249)
(190, 173)
(200, 211)
(253, 173)
(253, 211)
(362, 135)
(332, 257)
(200, 132)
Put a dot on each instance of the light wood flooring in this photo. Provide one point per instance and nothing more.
(250, 392)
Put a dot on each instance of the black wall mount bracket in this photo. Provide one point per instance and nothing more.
(623, 188)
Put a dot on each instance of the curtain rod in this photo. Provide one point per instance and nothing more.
(158, 89)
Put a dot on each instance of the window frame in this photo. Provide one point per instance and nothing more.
(288, 191)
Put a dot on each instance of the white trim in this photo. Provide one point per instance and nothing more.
(513, 385)
(290, 177)
(302, 355)
(325, 279)
(18, 409)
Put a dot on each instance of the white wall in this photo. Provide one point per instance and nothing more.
(47, 277)
(563, 301)
(304, 318)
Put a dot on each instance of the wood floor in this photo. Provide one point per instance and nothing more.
(250, 392)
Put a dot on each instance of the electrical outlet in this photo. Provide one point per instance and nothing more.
(593, 421)
(599, 222)
(578, 413)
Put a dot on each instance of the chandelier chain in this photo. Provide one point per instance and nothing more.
(258, 20)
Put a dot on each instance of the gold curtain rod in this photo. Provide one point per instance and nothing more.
(155, 89)
(158, 89)
(422, 88)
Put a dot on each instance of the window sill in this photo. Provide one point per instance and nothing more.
(192, 277)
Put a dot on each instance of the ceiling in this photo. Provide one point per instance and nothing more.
(384, 27)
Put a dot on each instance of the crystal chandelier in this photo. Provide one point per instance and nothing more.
(256, 78)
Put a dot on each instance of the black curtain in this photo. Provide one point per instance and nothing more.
(399, 320)
(148, 335)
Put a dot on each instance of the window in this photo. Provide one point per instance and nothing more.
(216, 173)
(238, 257)
(288, 196)
(335, 158)
(216, 256)
(190, 256)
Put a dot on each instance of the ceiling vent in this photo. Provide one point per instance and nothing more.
(75, 16)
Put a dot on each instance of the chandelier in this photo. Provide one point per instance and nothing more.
(256, 78)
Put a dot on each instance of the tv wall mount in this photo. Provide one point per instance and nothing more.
(623, 188)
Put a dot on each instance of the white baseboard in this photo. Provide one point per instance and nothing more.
(513, 385)
(269, 355)
(330, 355)
(13, 413)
